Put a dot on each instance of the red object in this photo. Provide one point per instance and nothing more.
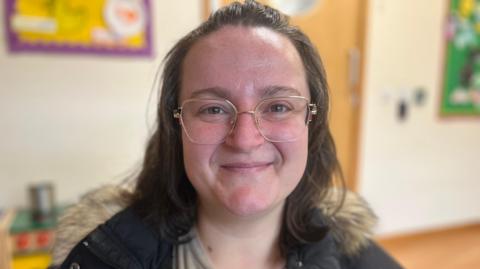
(22, 241)
(43, 239)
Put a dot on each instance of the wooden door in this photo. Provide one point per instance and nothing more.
(336, 27)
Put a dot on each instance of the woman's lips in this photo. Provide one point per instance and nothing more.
(245, 166)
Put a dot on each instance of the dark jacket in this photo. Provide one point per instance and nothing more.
(125, 241)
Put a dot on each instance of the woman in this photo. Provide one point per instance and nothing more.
(238, 173)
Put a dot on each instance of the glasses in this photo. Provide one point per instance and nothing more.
(278, 119)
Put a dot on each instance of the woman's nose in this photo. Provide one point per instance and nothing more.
(245, 134)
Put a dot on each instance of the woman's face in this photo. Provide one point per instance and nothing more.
(245, 175)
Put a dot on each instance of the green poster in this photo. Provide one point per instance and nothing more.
(461, 88)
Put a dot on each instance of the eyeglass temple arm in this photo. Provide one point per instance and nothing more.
(177, 112)
(313, 108)
(313, 111)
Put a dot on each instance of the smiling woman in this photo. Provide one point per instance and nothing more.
(239, 171)
(245, 175)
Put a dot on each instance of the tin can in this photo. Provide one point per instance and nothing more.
(42, 201)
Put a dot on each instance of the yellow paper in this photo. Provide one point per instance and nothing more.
(34, 261)
(93, 23)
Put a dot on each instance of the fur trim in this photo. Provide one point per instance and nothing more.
(351, 225)
(93, 209)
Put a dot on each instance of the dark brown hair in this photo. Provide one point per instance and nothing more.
(164, 195)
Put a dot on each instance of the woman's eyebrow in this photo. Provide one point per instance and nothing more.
(269, 91)
(279, 90)
(217, 92)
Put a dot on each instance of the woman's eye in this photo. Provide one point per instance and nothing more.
(213, 110)
(278, 108)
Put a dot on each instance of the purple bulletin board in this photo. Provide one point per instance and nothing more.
(103, 27)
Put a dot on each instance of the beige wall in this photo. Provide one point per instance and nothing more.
(423, 172)
(79, 121)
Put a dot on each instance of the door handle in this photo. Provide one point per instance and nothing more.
(354, 60)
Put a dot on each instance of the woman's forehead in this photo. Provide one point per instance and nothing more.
(258, 35)
(244, 39)
(242, 58)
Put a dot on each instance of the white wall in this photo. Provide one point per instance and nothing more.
(423, 172)
(78, 121)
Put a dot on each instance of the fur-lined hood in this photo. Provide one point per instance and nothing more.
(351, 226)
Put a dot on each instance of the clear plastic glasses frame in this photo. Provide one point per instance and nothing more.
(278, 119)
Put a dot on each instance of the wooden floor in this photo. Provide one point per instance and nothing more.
(454, 248)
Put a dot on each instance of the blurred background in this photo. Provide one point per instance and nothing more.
(79, 118)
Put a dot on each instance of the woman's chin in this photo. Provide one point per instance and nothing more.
(246, 202)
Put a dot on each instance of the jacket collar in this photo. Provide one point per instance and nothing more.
(350, 228)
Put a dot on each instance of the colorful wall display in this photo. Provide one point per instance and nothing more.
(115, 27)
(461, 88)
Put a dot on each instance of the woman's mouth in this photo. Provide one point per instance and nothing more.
(245, 166)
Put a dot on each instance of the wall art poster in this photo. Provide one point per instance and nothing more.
(114, 27)
(461, 87)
